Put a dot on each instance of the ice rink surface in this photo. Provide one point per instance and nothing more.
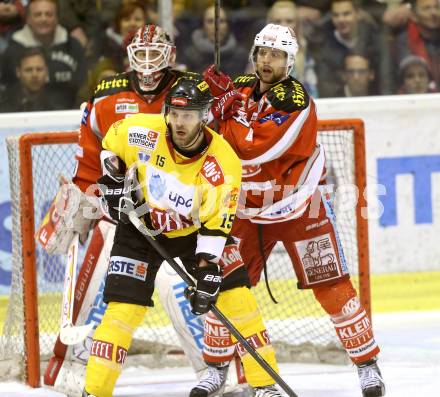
(410, 364)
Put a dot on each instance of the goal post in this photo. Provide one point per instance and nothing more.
(360, 178)
(21, 165)
(32, 320)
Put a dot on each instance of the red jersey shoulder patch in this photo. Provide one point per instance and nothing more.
(212, 171)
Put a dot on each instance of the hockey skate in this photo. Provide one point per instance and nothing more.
(268, 391)
(211, 383)
(372, 384)
(85, 394)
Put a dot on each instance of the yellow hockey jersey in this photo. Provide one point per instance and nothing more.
(184, 194)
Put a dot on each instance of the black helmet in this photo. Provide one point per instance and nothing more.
(189, 93)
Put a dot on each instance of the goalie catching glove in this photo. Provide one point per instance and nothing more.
(205, 293)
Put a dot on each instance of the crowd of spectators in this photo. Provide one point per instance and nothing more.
(54, 52)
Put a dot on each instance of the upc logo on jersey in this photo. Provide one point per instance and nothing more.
(127, 108)
(180, 200)
(143, 137)
(212, 171)
(127, 267)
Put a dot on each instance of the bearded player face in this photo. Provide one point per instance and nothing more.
(185, 127)
(271, 64)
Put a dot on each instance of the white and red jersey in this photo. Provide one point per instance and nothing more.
(275, 138)
(115, 98)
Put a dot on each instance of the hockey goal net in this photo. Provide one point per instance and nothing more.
(297, 323)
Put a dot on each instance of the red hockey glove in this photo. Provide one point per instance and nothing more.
(225, 106)
(218, 82)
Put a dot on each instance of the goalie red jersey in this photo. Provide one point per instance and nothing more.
(276, 139)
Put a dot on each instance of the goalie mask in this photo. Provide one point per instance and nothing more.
(149, 53)
(276, 37)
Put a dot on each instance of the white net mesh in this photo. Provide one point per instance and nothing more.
(297, 323)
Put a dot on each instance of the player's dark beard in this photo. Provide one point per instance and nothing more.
(274, 79)
(192, 152)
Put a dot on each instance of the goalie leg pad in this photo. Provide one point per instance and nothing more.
(111, 342)
(240, 306)
(188, 326)
(66, 368)
(350, 319)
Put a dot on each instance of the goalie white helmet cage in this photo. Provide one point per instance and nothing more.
(150, 51)
(278, 37)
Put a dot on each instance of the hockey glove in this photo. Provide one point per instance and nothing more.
(225, 106)
(117, 199)
(218, 82)
(206, 292)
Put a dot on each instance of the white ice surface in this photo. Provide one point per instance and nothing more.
(410, 364)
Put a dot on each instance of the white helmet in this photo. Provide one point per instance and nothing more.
(279, 37)
(150, 51)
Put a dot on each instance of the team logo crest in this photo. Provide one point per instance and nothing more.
(144, 157)
(319, 259)
(157, 186)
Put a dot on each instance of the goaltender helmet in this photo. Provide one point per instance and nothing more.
(189, 93)
(150, 51)
(278, 37)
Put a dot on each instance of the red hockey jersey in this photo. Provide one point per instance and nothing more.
(275, 137)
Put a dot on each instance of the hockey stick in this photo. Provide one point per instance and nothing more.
(217, 35)
(69, 333)
(185, 277)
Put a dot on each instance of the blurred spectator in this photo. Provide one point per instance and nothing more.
(357, 76)
(130, 17)
(397, 13)
(310, 12)
(422, 36)
(105, 67)
(64, 53)
(414, 76)
(11, 18)
(285, 13)
(200, 53)
(345, 33)
(85, 18)
(30, 92)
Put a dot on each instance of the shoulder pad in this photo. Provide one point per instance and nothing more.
(289, 96)
(245, 80)
(113, 84)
